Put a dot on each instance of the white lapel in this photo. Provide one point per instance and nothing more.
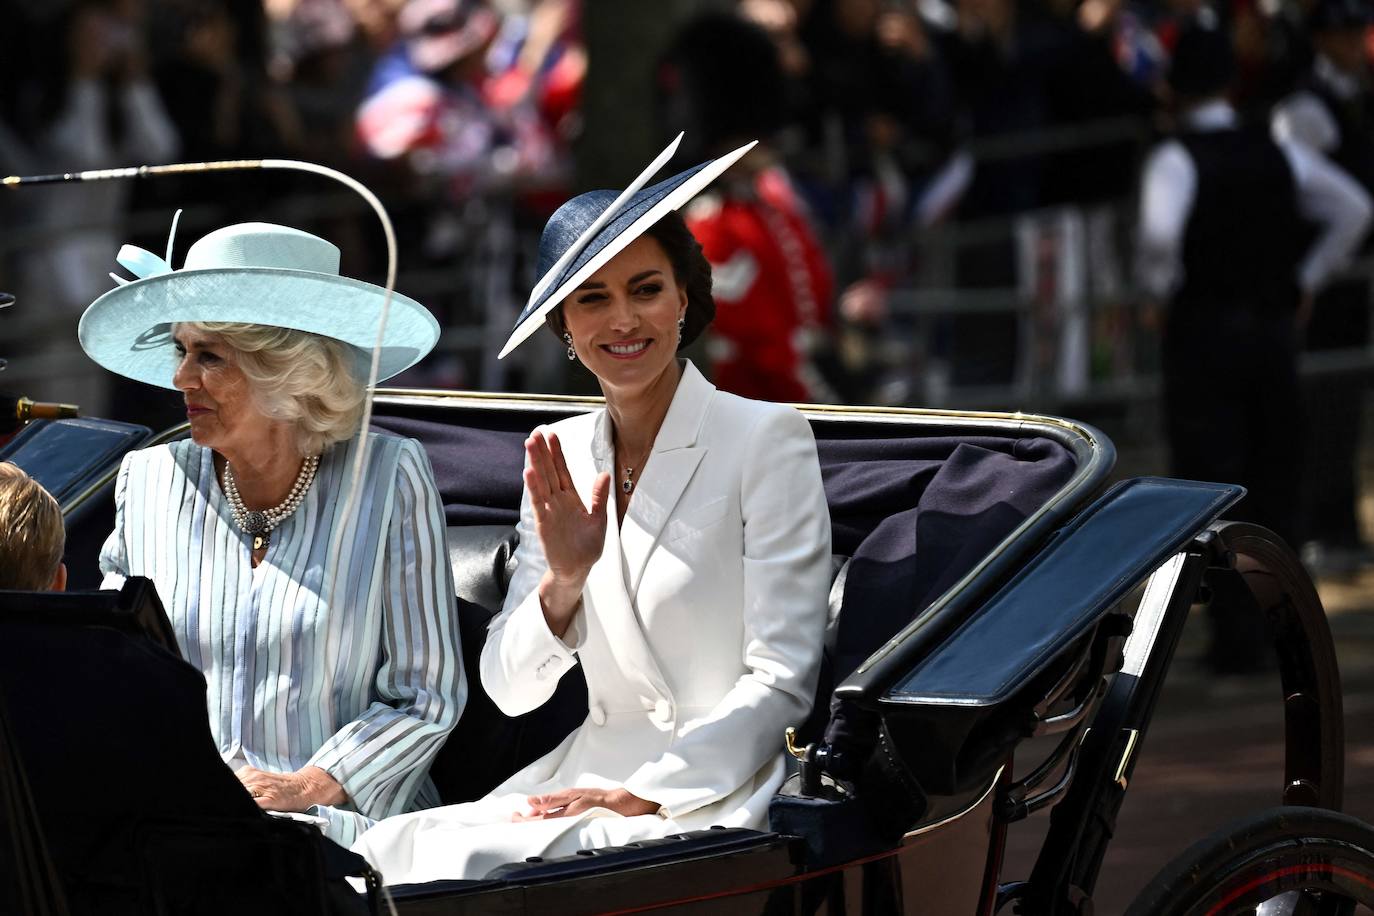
(674, 460)
(606, 584)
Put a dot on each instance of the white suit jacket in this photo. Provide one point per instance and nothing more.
(701, 626)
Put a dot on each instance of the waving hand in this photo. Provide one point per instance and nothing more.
(571, 534)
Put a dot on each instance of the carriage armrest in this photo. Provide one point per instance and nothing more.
(1082, 573)
(483, 560)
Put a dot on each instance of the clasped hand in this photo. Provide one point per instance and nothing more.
(291, 791)
(571, 534)
(568, 802)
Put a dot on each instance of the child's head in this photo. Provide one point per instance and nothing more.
(31, 534)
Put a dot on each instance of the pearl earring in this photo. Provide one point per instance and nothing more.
(567, 339)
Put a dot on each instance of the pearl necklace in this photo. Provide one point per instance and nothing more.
(259, 523)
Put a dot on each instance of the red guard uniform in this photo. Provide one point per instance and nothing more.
(772, 286)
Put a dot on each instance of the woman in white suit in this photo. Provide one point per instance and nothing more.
(675, 544)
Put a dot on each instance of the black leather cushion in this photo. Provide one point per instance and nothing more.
(488, 746)
(483, 559)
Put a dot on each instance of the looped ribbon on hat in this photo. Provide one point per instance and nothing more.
(143, 263)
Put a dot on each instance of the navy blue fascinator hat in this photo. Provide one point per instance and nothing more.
(589, 230)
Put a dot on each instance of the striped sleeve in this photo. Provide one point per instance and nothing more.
(114, 555)
(382, 757)
(344, 826)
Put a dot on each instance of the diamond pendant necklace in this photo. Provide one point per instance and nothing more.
(627, 486)
(259, 522)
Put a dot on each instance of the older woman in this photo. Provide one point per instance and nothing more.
(675, 544)
(328, 642)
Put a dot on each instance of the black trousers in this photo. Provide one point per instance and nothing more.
(1333, 403)
(1233, 414)
(1233, 411)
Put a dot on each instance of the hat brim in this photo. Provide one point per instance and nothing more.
(645, 209)
(128, 330)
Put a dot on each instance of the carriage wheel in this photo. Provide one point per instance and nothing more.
(1287, 861)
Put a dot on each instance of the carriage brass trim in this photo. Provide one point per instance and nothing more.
(411, 396)
(1131, 738)
(402, 396)
(972, 806)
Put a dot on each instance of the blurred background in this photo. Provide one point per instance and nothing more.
(953, 181)
(942, 212)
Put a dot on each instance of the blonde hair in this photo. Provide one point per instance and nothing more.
(299, 377)
(31, 534)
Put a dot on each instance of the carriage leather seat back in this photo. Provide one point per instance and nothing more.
(483, 561)
(487, 746)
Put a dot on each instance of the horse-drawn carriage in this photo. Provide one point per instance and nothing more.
(989, 589)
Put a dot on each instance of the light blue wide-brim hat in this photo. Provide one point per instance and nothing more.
(589, 230)
(249, 273)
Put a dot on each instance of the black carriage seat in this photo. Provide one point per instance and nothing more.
(487, 746)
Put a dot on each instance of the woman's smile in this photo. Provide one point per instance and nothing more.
(628, 349)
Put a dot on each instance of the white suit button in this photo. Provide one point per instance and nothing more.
(597, 714)
(663, 711)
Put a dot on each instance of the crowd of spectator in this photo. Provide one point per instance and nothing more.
(439, 105)
(889, 116)
(881, 120)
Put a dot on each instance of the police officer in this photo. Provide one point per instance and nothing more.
(1333, 114)
(1223, 239)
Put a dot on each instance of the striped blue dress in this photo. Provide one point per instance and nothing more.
(361, 677)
